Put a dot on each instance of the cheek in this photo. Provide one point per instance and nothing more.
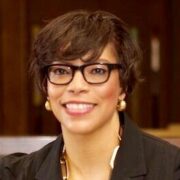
(110, 92)
(54, 92)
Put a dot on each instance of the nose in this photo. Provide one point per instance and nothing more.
(78, 84)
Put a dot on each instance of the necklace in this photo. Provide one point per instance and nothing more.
(64, 163)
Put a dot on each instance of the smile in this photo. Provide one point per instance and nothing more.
(78, 108)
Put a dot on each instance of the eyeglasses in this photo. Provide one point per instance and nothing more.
(96, 73)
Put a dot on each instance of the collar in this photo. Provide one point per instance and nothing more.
(130, 160)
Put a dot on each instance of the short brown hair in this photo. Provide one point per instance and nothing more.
(74, 34)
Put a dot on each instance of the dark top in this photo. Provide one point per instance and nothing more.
(140, 157)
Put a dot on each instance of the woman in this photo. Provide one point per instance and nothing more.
(85, 64)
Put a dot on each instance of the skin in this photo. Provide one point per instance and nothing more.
(87, 132)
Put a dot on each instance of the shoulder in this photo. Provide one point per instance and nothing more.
(19, 163)
(12, 163)
(161, 154)
(155, 145)
(160, 158)
(151, 144)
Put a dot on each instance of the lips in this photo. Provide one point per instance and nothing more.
(78, 108)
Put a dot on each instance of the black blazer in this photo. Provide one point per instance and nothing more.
(140, 157)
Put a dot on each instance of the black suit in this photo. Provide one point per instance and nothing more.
(140, 157)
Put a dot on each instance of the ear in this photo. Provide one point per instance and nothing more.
(122, 95)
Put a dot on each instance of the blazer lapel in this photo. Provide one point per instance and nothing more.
(50, 168)
(130, 162)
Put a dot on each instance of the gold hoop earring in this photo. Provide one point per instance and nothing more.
(121, 106)
(48, 105)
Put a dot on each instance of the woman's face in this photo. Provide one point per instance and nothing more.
(84, 108)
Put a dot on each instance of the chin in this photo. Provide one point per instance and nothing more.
(80, 129)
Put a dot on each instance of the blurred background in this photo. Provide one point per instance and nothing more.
(154, 24)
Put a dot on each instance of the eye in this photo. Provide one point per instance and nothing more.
(99, 71)
(96, 70)
(60, 70)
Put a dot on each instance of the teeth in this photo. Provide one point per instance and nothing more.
(79, 107)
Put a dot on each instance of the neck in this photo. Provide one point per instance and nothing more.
(91, 153)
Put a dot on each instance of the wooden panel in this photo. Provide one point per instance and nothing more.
(174, 83)
(40, 11)
(1, 70)
(14, 48)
